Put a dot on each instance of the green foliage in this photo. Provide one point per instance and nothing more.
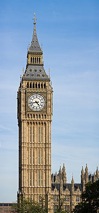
(29, 207)
(90, 199)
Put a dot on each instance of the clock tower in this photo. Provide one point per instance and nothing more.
(34, 123)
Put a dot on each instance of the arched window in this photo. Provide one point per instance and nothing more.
(27, 84)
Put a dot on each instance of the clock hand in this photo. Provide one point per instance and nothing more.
(37, 102)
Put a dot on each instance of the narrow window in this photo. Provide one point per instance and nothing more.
(39, 134)
(27, 84)
(30, 156)
(40, 178)
(30, 178)
(30, 134)
(33, 134)
(30, 85)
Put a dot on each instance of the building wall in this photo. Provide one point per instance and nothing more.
(66, 195)
(7, 208)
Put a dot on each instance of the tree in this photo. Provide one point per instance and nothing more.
(29, 207)
(90, 199)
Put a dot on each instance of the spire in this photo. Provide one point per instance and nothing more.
(35, 47)
(35, 66)
(60, 173)
(72, 181)
(82, 172)
(86, 174)
(72, 185)
(64, 174)
(86, 169)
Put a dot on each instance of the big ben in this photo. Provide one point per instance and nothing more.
(34, 123)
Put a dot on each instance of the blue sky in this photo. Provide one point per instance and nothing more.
(68, 32)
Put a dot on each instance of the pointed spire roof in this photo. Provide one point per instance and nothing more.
(72, 181)
(35, 67)
(82, 171)
(34, 46)
(86, 168)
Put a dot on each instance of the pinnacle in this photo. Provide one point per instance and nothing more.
(35, 47)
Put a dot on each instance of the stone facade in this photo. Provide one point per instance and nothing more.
(66, 195)
(34, 122)
(35, 108)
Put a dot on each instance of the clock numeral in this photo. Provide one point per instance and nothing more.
(36, 102)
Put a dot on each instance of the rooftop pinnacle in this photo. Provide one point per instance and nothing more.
(35, 47)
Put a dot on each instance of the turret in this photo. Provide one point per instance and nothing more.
(72, 192)
(64, 174)
(82, 175)
(72, 185)
(86, 174)
(83, 179)
(60, 173)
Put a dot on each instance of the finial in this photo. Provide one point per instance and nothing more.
(63, 165)
(82, 169)
(72, 181)
(72, 178)
(34, 19)
(86, 168)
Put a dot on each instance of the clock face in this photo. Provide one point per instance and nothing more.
(36, 102)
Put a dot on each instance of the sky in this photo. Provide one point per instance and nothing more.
(68, 32)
